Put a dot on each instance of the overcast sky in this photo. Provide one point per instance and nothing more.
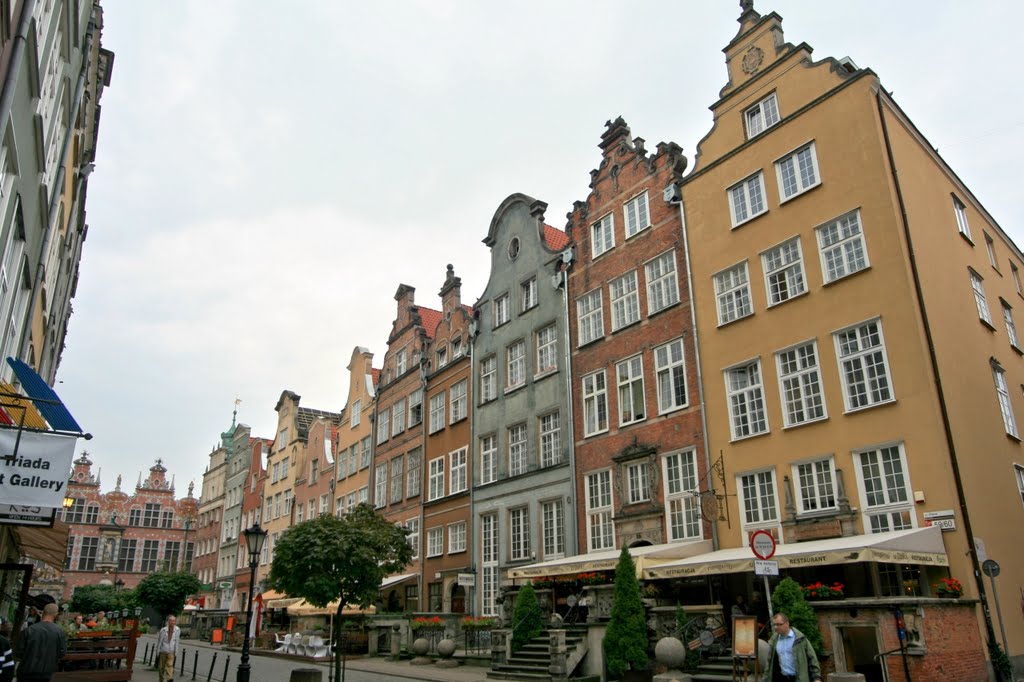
(268, 173)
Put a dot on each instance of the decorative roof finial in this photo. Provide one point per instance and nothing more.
(238, 401)
(747, 11)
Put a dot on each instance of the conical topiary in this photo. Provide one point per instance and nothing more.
(788, 598)
(526, 617)
(625, 642)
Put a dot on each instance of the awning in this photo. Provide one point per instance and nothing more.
(645, 556)
(48, 545)
(44, 398)
(304, 608)
(916, 546)
(395, 579)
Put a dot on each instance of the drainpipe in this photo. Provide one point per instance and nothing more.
(472, 592)
(17, 55)
(946, 426)
(675, 196)
(55, 195)
(569, 421)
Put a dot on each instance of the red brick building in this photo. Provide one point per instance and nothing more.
(119, 538)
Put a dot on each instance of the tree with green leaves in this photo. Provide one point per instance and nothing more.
(625, 641)
(343, 560)
(788, 598)
(165, 592)
(527, 621)
(95, 598)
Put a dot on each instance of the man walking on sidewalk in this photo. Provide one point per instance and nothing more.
(41, 647)
(166, 647)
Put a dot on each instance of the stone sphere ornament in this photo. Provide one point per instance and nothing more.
(446, 648)
(670, 652)
(420, 646)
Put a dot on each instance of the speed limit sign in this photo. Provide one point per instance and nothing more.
(762, 544)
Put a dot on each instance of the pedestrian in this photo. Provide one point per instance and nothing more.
(167, 646)
(739, 607)
(6, 654)
(41, 647)
(791, 657)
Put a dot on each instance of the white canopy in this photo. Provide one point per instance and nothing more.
(916, 546)
(647, 555)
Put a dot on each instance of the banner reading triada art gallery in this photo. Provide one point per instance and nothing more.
(38, 475)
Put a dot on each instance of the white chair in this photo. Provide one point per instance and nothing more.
(316, 648)
(284, 643)
(296, 647)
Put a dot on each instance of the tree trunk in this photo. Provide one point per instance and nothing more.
(339, 654)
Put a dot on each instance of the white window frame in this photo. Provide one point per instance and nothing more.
(801, 183)
(547, 349)
(1003, 396)
(1015, 273)
(457, 537)
(519, 533)
(636, 214)
(435, 480)
(435, 541)
(602, 235)
(669, 368)
(416, 401)
(458, 467)
(747, 199)
(488, 379)
(752, 419)
(600, 501)
(629, 376)
(590, 316)
(990, 247)
(595, 403)
(1018, 473)
(384, 425)
(488, 459)
(355, 414)
(400, 364)
(501, 310)
(841, 247)
(380, 485)
(760, 510)
(852, 361)
(413, 538)
(662, 282)
(437, 407)
(682, 505)
(412, 472)
(515, 365)
(783, 267)
(398, 417)
(528, 295)
(553, 529)
(761, 116)
(889, 479)
(489, 552)
(980, 300)
(518, 456)
(638, 483)
(801, 392)
(457, 400)
(815, 485)
(1011, 326)
(732, 293)
(962, 224)
(549, 427)
(624, 294)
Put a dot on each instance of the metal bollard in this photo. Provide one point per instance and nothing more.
(209, 675)
(195, 663)
(145, 655)
(227, 661)
(182, 670)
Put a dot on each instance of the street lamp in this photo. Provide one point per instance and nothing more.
(254, 539)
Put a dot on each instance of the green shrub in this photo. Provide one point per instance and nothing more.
(625, 642)
(788, 598)
(526, 618)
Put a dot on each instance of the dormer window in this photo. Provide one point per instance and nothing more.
(456, 348)
(400, 363)
(442, 356)
(762, 116)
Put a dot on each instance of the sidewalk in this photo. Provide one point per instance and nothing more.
(374, 665)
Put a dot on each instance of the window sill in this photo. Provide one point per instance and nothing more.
(672, 410)
(623, 425)
(735, 320)
(736, 439)
(460, 419)
(513, 389)
(591, 341)
(1016, 349)
(638, 232)
(595, 433)
(846, 276)
(659, 311)
(546, 373)
(789, 427)
(985, 323)
(487, 402)
(854, 410)
(800, 193)
(965, 237)
(526, 310)
(803, 293)
(1015, 439)
(616, 330)
(750, 219)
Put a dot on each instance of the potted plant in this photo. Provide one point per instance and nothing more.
(479, 623)
(820, 590)
(426, 623)
(949, 588)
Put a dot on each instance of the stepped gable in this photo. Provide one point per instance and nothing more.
(624, 162)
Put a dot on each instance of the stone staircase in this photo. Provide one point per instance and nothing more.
(531, 663)
(717, 669)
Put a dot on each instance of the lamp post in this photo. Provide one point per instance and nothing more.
(254, 539)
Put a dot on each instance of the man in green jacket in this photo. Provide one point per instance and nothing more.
(791, 657)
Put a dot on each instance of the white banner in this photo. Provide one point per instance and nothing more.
(38, 475)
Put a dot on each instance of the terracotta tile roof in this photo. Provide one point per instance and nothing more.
(431, 318)
(555, 238)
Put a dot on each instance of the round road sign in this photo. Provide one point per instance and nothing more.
(990, 568)
(762, 544)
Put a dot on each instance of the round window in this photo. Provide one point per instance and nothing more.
(513, 248)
